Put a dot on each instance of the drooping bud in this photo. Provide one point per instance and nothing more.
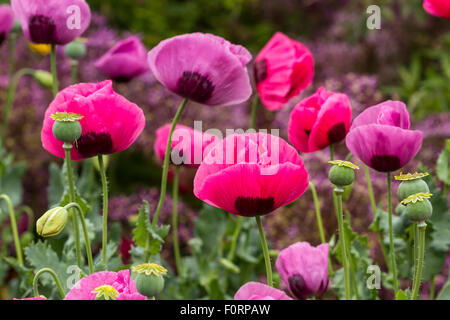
(418, 207)
(44, 78)
(75, 50)
(52, 222)
(150, 279)
(66, 127)
(342, 173)
(412, 183)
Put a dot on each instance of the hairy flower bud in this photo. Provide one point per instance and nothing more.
(52, 222)
(44, 78)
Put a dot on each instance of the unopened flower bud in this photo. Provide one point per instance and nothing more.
(52, 222)
(75, 50)
(418, 207)
(66, 126)
(150, 279)
(412, 183)
(44, 78)
(342, 173)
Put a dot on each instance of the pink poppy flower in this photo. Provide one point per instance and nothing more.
(126, 60)
(110, 122)
(35, 298)
(259, 291)
(283, 68)
(117, 285)
(320, 120)
(304, 269)
(189, 146)
(440, 8)
(6, 21)
(203, 68)
(381, 138)
(52, 21)
(251, 174)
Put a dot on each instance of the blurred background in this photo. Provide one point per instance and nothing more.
(407, 59)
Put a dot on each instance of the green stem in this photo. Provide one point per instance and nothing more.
(10, 97)
(15, 232)
(317, 209)
(338, 191)
(176, 245)
(105, 210)
(391, 235)
(235, 238)
(421, 251)
(87, 242)
(55, 277)
(432, 288)
(331, 152)
(254, 111)
(74, 70)
(53, 68)
(72, 197)
(445, 190)
(166, 163)
(265, 251)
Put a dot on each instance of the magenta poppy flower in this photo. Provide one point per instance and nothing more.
(320, 120)
(381, 138)
(114, 285)
(440, 8)
(6, 21)
(35, 298)
(126, 60)
(259, 291)
(304, 269)
(203, 68)
(52, 21)
(283, 68)
(190, 145)
(251, 174)
(110, 122)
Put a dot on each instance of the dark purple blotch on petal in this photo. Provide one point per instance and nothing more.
(298, 287)
(260, 70)
(92, 144)
(195, 86)
(250, 207)
(308, 132)
(42, 29)
(2, 37)
(336, 133)
(385, 163)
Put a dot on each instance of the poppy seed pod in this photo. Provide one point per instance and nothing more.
(411, 184)
(418, 207)
(66, 126)
(342, 173)
(150, 279)
(52, 222)
(75, 50)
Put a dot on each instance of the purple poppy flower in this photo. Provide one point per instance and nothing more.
(259, 291)
(304, 269)
(52, 21)
(203, 68)
(6, 21)
(381, 138)
(126, 60)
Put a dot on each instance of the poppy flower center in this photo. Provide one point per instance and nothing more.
(298, 286)
(92, 144)
(42, 29)
(195, 86)
(336, 133)
(2, 38)
(260, 70)
(385, 163)
(250, 207)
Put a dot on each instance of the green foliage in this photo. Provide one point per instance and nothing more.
(442, 167)
(11, 174)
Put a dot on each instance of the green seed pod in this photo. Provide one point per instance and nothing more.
(44, 78)
(341, 176)
(410, 187)
(420, 210)
(67, 131)
(75, 50)
(347, 192)
(52, 222)
(149, 285)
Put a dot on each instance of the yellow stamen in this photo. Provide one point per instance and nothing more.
(107, 292)
(66, 116)
(41, 48)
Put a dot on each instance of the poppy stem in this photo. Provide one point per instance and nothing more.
(53, 68)
(422, 226)
(105, 210)
(338, 192)
(432, 288)
(15, 232)
(73, 198)
(55, 277)
(254, 111)
(166, 163)
(391, 235)
(317, 209)
(87, 242)
(74, 70)
(176, 245)
(265, 251)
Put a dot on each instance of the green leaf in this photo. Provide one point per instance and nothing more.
(401, 295)
(444, 294)
(140, 232)
(210, 227)
(442, 170)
